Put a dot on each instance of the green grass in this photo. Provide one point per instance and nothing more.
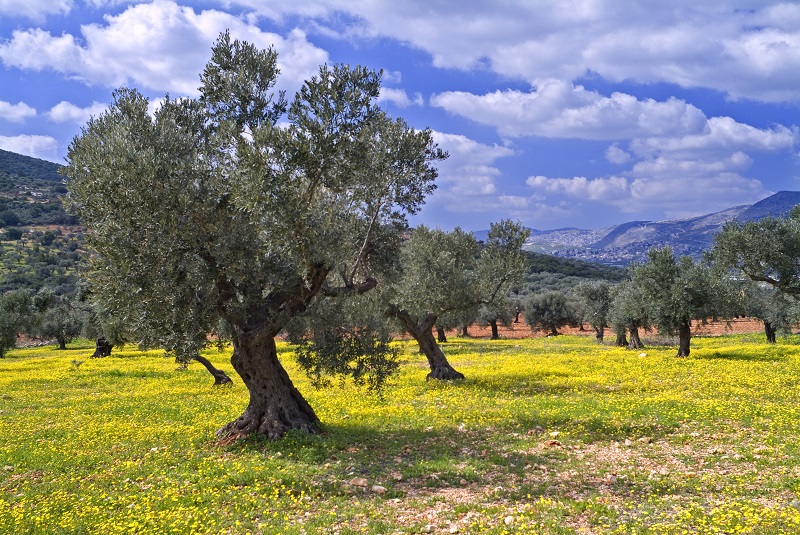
(545, 436)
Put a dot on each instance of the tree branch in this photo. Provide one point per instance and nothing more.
(349, 289)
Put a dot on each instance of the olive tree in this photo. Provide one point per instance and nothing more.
(549, 311)
(594, 299)
(58, 316)
(244, 207)
(766, 251)
(776, 310)
(678, 291)
(15, 312)
(447, 272)
(628, 312)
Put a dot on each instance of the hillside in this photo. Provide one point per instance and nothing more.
(30, 192)
(629, 242)
(40, 243)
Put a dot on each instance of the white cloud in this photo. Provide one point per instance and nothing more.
(160, 46)
(469, 170)
(722, 135)
(16, 113)
(34, 9)
(744, 49)
(66, 112)
(597, 189)
(687, 196)
(557, 109)
(616, 155)
(400, 98)
(44, 147)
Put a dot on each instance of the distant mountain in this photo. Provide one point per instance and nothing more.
(629, 242)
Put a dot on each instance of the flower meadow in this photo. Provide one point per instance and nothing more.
(546, 435)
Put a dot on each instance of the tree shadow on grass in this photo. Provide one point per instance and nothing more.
(738, 355)
(412, 461)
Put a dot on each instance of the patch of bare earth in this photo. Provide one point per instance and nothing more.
(521, 330)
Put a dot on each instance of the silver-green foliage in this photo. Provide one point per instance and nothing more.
(766, 251)
(238, 205)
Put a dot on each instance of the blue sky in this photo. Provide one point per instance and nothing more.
(560, 113)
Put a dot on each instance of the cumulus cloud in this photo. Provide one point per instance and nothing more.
(470, 170)
(722, 135)
(16, 113)
(34, 9)
(559, 109)
(687, 196)
(66, 112)
(160, 46)
(44, 147)
(597, 189)
(400, 98)
(749, 53)
(616, 155)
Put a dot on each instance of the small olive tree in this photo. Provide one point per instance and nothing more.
(15, 313)
(550, 311)
(628, 313)
(594, 300)
(444, 273)
(678, 291)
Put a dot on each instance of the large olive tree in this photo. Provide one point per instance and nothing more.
(242, 207)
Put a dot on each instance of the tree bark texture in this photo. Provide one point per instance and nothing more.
(636, 342)
(440, 367)
(220, 377)
(464, 332)
(684, 337)
(495, 332)
(275, 406)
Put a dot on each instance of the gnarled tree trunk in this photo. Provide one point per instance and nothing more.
(102, 348)
(684, 337)
(599, 333)
(464, 331)
(220, 377)
(636, 342)
(275, 406)
(769, 330)
(423, 334)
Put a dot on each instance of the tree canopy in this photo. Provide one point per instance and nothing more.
(677, 291)
(767, 250)
(243, 207)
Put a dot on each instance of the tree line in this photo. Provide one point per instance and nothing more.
(242, 215)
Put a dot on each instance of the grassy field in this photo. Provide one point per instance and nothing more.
(545, 436)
